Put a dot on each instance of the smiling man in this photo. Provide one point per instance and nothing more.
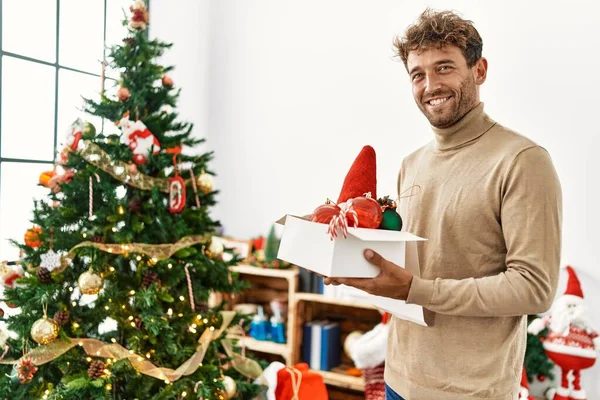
(490, 205)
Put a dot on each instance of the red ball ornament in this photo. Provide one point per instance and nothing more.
(167, 81)
(123, 93)
(324, 213)
(367, 210)
(541, 378)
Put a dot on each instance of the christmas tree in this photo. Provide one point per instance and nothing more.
(115, 280)
(537, 363)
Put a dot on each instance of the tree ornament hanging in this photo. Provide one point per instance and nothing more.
(43, 275)
(25, 370)
(177, 195)
(167, 81)
(140, 17)
(74, 134)
(32, 237)
(230, 386)
(96, 369)
(44, 330)
(90, 283)
(205, 183)
(61, 317)
(9, 274)
(139, 139)
(123, 94)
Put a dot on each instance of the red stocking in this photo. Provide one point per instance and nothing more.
(562, 392)
(577, 393)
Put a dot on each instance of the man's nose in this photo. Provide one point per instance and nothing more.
(432, 83)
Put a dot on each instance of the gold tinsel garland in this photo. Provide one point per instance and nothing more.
(119, 170)
(156, 251)
(96, 348)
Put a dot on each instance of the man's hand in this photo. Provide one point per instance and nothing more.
(393, 281)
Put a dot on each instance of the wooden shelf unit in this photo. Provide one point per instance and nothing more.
(267, 284)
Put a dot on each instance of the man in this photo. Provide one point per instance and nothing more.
(490, 206)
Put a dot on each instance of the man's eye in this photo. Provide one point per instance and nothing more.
(445, 68)
(417, 76)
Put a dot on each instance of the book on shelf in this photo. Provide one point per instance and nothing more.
(321, 345)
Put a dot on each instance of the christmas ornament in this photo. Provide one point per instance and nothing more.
(43, 275)
(368, 212)
(524, 388)
(44, 330)
(123, 94)
(65, 177)
(139, 139)
(541, 378)
(50, 260)
(25, 370)
(167, 81)
(391, 220)
(215, 299)
(63, 157)
(230, 386)
(74, 134)
(139, 325)
(205, 182)
(90, 283)
(572, 343)
(89, 130)
(216, 247)
(325, 212)
(299, 382)
(45, 177)
(9, 274)
(32, 237)
(96, 369)
(149, 278)
(176, 194)
(362, 176)
(61, 317)
(1, 315)
(140, 16)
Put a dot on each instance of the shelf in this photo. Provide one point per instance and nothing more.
(290, 273)
(319, 298)
(342, 380)
(264, 346)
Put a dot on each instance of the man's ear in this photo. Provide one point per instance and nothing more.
(480, 70)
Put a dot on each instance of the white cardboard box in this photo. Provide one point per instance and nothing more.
(307, 244)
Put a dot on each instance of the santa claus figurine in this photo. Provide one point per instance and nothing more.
(139, 139)
(572, 343)
(524, 389)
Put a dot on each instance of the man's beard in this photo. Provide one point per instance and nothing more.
(464, 101)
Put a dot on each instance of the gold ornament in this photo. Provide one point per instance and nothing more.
(230, 386)
(205, 183)
(44, 330)
(90, 283)
(216, 247)
(215, 299)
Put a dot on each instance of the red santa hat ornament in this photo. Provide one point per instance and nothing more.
(362, 176)
(573, 284)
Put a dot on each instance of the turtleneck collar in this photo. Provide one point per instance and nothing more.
(470, 127)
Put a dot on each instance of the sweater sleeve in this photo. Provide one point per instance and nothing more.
(531, 218)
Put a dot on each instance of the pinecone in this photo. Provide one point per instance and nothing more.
(96, 369)
(139, 325)
(44, 275)
(61, 317)
(135, 205)
(149, 278)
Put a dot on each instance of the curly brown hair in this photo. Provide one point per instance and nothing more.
(438, 29)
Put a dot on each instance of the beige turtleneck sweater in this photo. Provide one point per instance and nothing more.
(490, 206)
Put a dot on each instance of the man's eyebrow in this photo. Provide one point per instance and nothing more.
(440, 62)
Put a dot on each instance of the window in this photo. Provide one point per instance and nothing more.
(51, 54)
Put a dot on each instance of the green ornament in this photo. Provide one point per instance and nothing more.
(391, 220)
(89, 130)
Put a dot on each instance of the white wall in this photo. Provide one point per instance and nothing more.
(295, 89)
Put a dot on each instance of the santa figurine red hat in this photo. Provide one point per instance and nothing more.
(524, 389)
(572, 343)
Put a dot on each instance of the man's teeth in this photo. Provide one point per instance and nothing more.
(435, 102)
